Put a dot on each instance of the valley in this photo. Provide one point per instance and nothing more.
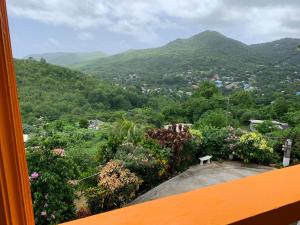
(121, 125)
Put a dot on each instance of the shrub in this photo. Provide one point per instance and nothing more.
(214, 142)
(116, 187)
(170, 138)
(192, 150)
(253, 148)
(266, 127)
(52, 192)
(140, 161)
(108, 149)
(295, 135)
(161, 154)
(293, 118)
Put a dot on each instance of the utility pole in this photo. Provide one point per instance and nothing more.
(287, 148)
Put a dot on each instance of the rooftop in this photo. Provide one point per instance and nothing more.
(202, 176)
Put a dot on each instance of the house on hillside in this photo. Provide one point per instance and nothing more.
(179, 126)
(95, 124)
(219, 83)
(281, 126)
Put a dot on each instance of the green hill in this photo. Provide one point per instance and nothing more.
(283, 50)
(53, 92)
(68, 59)
(199, 52)
(184, 62)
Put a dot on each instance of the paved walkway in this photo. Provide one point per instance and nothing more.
(201, 176)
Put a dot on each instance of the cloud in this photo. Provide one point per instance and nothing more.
(52, 42)
(85, 36)
(144, 18)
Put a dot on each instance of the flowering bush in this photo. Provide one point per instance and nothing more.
(117, 186)
(232, 141)
(221, 143)
(114, 177)
(52, 194)
(253, 148)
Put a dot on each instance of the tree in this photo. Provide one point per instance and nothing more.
(206, 90)
(242, 98)
(217, 118)
(51, 173)
(293, 118)
(280, 107)
(42, 60)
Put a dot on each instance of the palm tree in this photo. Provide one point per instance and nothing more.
(129, 130)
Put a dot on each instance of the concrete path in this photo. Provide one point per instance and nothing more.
(201, 176)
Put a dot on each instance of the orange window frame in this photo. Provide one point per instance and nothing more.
(15, 197)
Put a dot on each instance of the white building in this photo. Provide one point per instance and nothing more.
(281, 126)
(178, 126)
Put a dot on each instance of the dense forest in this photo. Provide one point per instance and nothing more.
(53, 92)
(104, 139)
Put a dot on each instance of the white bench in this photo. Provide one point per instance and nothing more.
(205, 158)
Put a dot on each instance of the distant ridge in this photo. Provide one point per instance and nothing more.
(184, 62)
(68, 58)
(201, 55)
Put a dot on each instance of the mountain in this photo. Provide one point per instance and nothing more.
(53, 92)
(68, 58)
(184, 62)
(285, 49)
(200, 51)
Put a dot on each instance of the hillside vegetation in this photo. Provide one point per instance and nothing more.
(55, 92)
(186, 62)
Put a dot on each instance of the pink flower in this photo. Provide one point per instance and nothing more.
(59, 152)
(43, 213)
(34, 176)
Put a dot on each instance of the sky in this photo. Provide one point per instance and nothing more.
(113, 26)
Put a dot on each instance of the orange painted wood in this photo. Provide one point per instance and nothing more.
(15, 197)
(271, 198)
